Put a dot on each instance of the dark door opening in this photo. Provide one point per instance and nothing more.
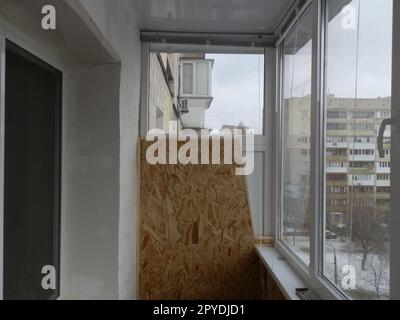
(31, 174)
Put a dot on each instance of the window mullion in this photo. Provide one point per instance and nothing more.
(317, 129)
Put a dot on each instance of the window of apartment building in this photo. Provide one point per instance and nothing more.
(303, 139)
(336, 165)
(363, 115)
(363, 202)
(361, 189)
(336, 140)
(336, 203)
(383, 115)
(362, 164)
(337, 177)
(295, 204)
(362, 152)
(384, 164)
(363, 177)
(336, 152)
(336, 126)
(305, 152)
(383, 176)
(336, 189)
(187, 78)
(363, 139)
(196, 77)
(336, 114)
(362, 127)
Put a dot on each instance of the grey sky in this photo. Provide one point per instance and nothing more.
(237, 79)
(237, 90)
(374, 64)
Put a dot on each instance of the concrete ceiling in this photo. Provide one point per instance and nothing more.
(219, 16)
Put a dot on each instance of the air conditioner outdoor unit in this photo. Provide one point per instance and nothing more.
(184, 107)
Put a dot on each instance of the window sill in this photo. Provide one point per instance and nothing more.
(287, 279)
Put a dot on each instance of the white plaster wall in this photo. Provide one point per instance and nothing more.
(97, 46)
(121, 31)
(90, 182)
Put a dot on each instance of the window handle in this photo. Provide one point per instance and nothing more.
(385, 123)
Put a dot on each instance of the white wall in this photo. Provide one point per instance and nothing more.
(97, 46)
(121, 31)
(90, 183)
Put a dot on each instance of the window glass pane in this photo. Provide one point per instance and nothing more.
(296, 137)
(207, 91)
(202, 81)
(357, 193)
(237, 91)
(187, 78)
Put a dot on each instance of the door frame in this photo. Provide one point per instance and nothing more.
(8, 32)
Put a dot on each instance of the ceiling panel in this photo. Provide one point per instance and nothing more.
(220, 16)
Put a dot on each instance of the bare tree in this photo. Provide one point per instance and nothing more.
(379, 275)
(368, 231)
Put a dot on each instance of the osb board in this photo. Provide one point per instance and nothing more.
(267, 241)
(196, 239)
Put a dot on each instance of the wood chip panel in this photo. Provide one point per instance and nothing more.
(196, 238)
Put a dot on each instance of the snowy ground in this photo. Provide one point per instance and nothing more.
(372, 283)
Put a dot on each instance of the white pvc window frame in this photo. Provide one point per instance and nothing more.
(263, 143)
(148, 48)
(313, 274)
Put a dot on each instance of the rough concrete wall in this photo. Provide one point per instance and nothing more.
(121, 31)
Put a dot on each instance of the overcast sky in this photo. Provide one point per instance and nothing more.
(237, 79)
(237, 89)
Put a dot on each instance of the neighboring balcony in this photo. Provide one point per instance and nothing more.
(362, 180)
(336, 170)
(195, 95)
(339, 145)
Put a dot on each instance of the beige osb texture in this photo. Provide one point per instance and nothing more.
(196, 238)
(267, 241)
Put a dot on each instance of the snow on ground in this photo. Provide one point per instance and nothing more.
(372, 283)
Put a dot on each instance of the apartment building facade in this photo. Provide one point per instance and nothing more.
(357, 177)
(179, 90)
(163, 90)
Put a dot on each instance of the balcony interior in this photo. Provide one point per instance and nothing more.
(131, 229)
